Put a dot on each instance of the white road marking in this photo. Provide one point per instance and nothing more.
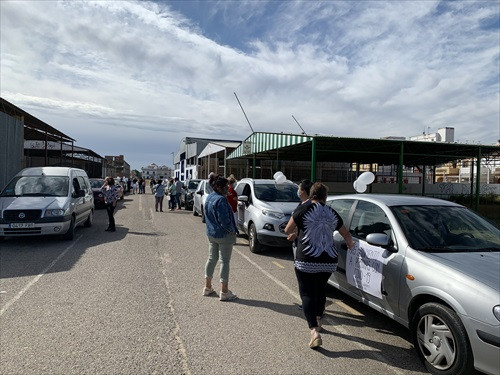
(37, 277)
(377, 356)
(348, 308)
(277, 264)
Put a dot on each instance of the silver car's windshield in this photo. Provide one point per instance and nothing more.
(193, 185)
(42, 186)
(445, 228)
(276, 192)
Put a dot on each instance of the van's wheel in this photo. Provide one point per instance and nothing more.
(441, 340)
(90, 220)
(203, 220)
(70, 234)
(253, 242)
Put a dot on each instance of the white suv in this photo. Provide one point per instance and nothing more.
(264, 208)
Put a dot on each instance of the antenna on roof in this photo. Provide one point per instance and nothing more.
(303, 131)
(244, 112)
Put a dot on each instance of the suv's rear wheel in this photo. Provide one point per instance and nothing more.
(90, 220)
(441, 340)
(253, 242)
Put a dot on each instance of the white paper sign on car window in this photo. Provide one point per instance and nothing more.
(364, 268)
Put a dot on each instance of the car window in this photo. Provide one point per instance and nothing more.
(96, 184)
(369, 218)
(446, 228)
(193, 185)
(37, 186)
(83, 183)
(342, 207)
(240, 188)
(276, 192)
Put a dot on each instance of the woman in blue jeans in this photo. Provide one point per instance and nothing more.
(221, 233)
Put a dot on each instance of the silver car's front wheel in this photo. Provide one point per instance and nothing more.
(441, 340)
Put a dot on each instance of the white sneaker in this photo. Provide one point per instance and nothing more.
(229, 296)
(208, 291)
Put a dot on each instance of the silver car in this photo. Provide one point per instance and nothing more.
(264, 208)
(46, 201)
(199, 198)
(431, 265)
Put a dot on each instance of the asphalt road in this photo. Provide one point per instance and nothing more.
(130, 302)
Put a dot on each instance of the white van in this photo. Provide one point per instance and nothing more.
(46, 201)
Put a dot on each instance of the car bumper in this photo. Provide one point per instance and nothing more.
(40, 229)
(485, 343)
(267, 239)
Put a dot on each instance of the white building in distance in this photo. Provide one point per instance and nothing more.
(155, 171)
(446, 135)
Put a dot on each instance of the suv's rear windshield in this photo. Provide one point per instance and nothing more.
(41, 186)
(276, 192)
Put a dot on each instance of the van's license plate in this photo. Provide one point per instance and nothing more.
(21, 225)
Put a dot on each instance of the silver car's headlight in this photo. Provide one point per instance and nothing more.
(273, 214)
(496, 312)
(52, 213)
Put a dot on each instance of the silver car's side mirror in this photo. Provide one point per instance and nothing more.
(379, 239)
(243, 198)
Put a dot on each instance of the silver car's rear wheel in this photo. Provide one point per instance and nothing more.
(441, 340)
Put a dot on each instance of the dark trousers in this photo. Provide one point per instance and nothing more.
(172, 202)
(159, 202)
(110, 209)
(312, 289)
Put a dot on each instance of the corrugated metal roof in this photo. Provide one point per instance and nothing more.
(262, 142)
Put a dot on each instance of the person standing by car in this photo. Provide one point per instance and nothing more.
(110, 199)
(303, 194)
(178, 192)
(221, 233)
(316, 256)
(232, 197)
(172, 192)
(159, 192)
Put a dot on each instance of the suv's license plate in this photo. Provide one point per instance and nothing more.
(21, 225)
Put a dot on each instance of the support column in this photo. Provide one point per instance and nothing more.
(424, 179)
(471, 176)
(400, 169)
(313, 160)
(254, 167)
(478, 178)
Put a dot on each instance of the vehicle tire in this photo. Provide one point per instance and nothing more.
(203, 215)
(441, 340)
(70, 234)
(253, 242)
(90, 220)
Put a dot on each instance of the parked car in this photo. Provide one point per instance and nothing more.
(431, 265)
(46, 201)
(264, 208)
(200, 197)
(187, 196)
(96, 184)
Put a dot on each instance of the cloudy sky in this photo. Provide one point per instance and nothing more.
(135, 77)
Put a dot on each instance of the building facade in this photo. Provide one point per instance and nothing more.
(153, 171)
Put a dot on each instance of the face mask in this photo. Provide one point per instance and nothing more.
(298, 193)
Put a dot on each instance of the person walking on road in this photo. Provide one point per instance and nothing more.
(159, 192)
(232, 197)
(110, 199)
(221, 233)
(316, 256)
(303, 194)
